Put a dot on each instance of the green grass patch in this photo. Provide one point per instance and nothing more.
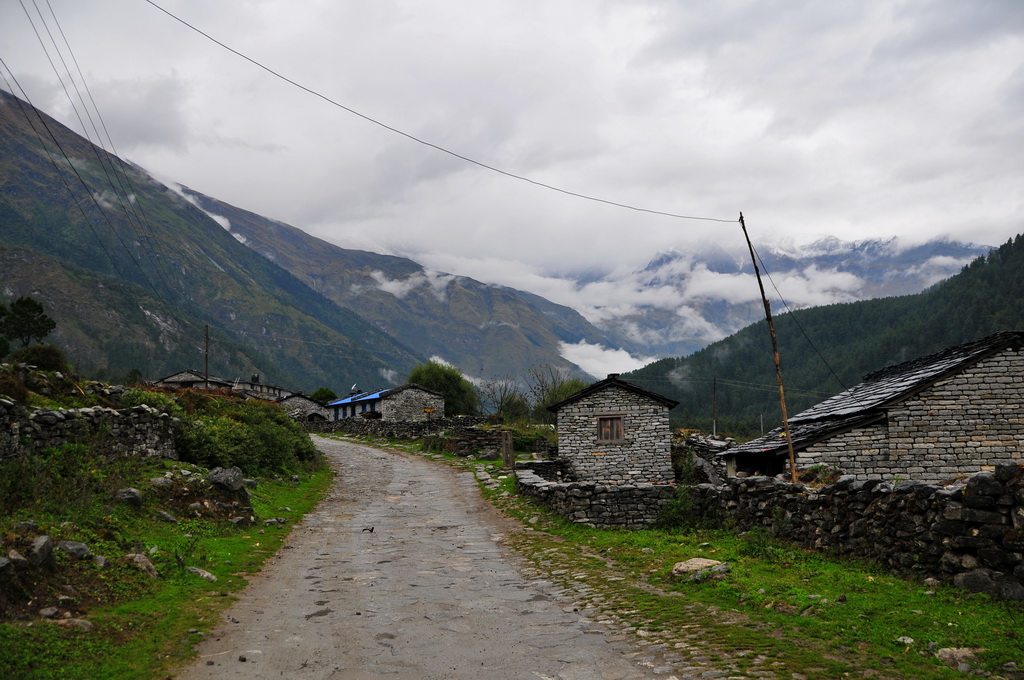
(141, 627)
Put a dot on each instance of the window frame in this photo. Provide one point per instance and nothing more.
(615, 421)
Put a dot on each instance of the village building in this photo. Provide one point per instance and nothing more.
(254, 387)
(410, 402)
(301, 407)
(616, 433)
(932, 419)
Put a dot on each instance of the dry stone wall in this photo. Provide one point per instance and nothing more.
(971, 534)
(626, 506)
(409, 404)
(138, 431)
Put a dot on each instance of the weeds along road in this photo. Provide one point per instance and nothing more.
(428, 593)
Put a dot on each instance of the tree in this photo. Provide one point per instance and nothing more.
(550, 385)
(460, 397)
(5, 345)
(323, 395)
(504, 397)
(26, 321)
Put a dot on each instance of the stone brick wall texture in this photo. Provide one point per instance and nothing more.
(971, 534)
(138, 431)
(408, 405)
(645, 455)
(962, 425)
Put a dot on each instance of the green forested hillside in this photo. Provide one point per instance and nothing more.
(827, 349)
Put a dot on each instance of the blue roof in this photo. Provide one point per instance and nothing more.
(362, 396)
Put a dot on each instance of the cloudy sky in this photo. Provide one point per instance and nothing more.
(856, 118)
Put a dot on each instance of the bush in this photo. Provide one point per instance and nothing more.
(688, 511)
(162, 402)
(13, 387)
(44, 357)
(255, 436)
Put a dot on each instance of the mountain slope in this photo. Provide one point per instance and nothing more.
(90, 221)
(483, 329)
(845, 342)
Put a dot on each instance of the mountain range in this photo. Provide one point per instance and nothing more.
(137, 271)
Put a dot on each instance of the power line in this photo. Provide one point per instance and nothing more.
(424, 142)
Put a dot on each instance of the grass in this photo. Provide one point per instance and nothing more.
(141, 627)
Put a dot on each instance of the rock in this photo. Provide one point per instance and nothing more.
(202, 573)
(166, 516)
(81, 624)
(130, 496)
(227, 479)
(693, 565)
(76, 549)
(716, 572)
(954, 657)
(977, 581)
(27, 525)
(41, 552)
(49, 612)
(143, 563)
(18, 561)
(161, 482)
(100, 561)
(241, 522)
(249, 483)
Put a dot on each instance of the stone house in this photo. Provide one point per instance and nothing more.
(254, 387)
(410, 402)
(614, 432)
(301, 407)
(942, 416)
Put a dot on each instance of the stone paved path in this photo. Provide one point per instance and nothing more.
(428, 594)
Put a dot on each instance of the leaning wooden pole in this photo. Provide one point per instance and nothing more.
(775, 350)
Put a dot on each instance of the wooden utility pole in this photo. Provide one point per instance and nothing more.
(206, 359)
(775, 350)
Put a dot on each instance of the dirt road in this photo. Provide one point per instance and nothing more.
(399, 574)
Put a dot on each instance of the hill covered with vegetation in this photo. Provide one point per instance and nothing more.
(826, 349)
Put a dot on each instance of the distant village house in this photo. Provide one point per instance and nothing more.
(408, 402)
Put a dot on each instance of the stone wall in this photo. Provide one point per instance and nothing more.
(137, 431)
(862, 452)
(626, 506)
(644, 455)
(971, 534)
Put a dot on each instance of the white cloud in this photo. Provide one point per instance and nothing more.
(858, 119)
(598, 360)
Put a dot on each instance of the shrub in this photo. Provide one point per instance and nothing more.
(688, 511)
(13, 387)
(44, 357)
(255, 436)
(162, 402)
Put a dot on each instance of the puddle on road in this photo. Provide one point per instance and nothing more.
(320, 612)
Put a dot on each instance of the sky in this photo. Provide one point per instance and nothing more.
(851, 118)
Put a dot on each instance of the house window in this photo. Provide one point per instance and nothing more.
(609, 429)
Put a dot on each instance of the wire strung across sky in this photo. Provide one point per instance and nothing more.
(422, 141)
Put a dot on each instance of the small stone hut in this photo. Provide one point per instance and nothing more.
(409, 402)
(949, 414)
(614, 432)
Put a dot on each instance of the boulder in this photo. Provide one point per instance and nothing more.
(693, 566)
(230, 479)
(131, 496)
(41, 552)
(143, 563)
(76, 549)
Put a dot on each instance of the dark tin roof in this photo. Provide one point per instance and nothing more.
(613, 380)
(866, 403)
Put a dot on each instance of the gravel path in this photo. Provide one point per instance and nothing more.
(399, 574)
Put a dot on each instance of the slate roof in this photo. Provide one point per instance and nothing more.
(611, 380)
(867, 402)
